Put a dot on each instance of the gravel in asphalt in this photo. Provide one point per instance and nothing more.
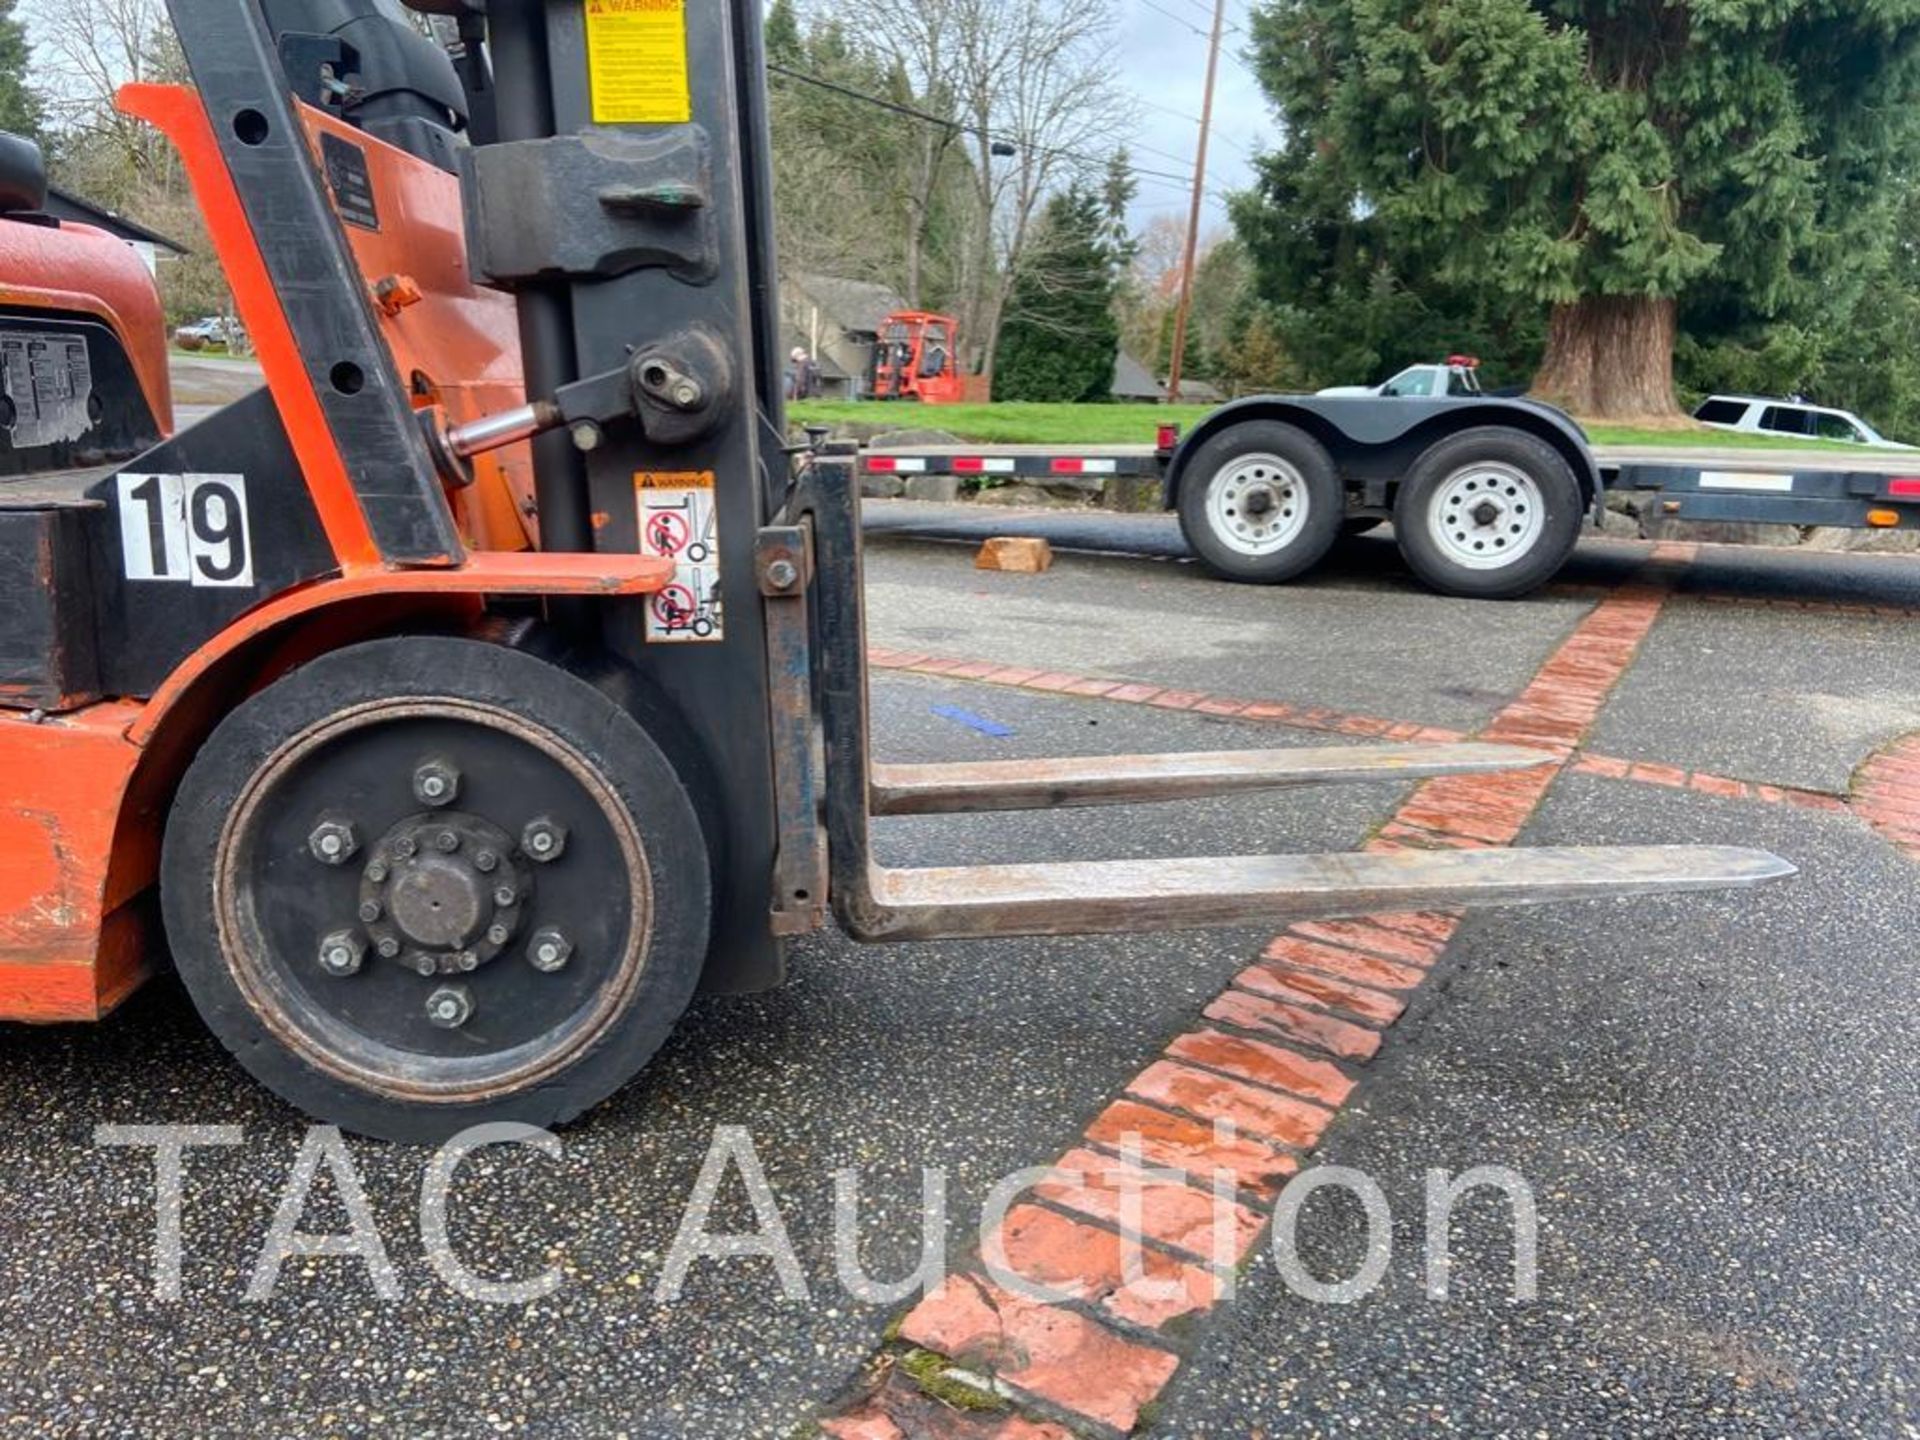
(1782, 696)
(1712, 1101)
(1369, 647)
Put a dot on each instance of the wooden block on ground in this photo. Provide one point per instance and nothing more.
(1023, 555)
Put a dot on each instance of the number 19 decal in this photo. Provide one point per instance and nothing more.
(186, 527)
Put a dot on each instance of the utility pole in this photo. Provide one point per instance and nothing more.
(1193, 215)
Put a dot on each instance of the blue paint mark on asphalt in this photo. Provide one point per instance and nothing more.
(973, 721)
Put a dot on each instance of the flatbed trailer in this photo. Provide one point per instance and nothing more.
(1708, 484)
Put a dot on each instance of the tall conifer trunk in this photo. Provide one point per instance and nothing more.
(1610, 357)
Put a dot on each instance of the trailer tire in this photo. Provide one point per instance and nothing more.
(1288, 475)
(404, 955)
(1490, 513)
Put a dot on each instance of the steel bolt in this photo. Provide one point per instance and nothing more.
(586, 436)
(686, 394)
(544, 839)
(549, 950)
(341, 953)
(403, 846)
(782, 573)
(333, 842)
(436, 782)
(377, 871)
(466, 960)
(446, 842)
(450, 1006)
(505, 895)
(426, 964)
(369, 911)
(497, 934)
(388, 947)
(485, 861)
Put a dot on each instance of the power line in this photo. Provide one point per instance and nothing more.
(899, 109)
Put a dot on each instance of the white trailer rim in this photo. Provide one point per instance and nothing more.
(1487, 515)
(1257, 504)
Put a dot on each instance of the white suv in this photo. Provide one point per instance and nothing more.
(1757, 415)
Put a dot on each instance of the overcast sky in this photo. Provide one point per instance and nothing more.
(1163, 56)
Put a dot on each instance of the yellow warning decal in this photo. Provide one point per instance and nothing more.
(637, 62)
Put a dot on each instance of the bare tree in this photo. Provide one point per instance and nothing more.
(87, 50)
(1031, 79)
(1037, 76)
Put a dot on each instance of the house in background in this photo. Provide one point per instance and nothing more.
(837, 322)
(1133, 382)
(150, 245)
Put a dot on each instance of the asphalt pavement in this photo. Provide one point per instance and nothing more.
(1709, 1096)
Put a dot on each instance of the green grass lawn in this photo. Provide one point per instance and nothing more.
(1028, 424)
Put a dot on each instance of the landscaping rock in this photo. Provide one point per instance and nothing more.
(941, 489)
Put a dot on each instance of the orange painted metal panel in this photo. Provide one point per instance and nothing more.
(178, 114)
(69, 945)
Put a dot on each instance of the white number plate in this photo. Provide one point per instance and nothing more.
(190, 528)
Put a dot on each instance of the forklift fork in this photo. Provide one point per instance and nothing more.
(810, 572)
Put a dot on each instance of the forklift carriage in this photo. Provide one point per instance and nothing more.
(496, 676)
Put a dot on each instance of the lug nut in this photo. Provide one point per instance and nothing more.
(446, 842)
(341, 953)
(450, 1006)
(369, 911)
(505, 895)
(544, 839)
(436, 782)
(426, 964)
(333, 842)
(549, 949)
(404, 847)
(387, 946)
(485, 861)
(497, 934)
(377, 871)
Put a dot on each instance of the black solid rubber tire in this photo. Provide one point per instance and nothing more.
(619, 751)
(1548, 469)
(1326, 501)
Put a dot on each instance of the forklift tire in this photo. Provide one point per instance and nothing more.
(1489, 514)
(1261, 502)
(430, 882)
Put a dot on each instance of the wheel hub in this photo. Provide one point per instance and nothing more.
(1257, 504)
(1487, 515)
(444, 892)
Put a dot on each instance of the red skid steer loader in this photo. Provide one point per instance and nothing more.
(496, 676)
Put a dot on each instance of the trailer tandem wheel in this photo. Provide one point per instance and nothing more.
(427, 882)
(1261, 502)
(1490, 513)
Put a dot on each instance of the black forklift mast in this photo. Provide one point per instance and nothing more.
(622, 197)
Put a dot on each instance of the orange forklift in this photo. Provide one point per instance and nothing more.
(449, 710)
(916, 357)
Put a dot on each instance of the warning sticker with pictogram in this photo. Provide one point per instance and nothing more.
(677, 523)
(637, 62)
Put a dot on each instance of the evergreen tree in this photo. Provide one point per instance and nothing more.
(20, 108)
(1060, 336)
(1614, 160)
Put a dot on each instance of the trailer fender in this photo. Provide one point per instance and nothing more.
(1376, 439)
